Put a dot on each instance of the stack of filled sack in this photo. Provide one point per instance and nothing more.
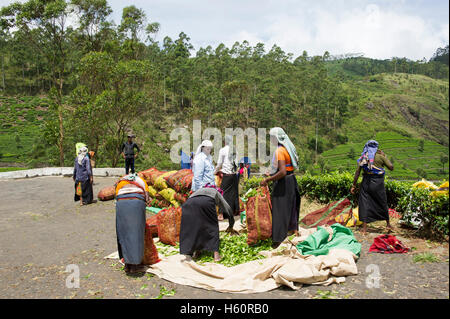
(168, 190)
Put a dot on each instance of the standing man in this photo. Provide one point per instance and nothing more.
(128, 153)
(226, 167)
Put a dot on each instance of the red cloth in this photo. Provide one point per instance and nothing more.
(388, 244)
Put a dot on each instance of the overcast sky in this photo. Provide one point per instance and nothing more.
(378, 28)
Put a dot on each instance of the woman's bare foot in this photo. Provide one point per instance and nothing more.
(217, 257)
(364, 231)
(220, 217)
(196, 254)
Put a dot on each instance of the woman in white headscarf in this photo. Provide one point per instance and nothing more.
(285, 194)
(82, 176)
(203, 167)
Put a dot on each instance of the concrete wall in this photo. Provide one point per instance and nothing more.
(59, 171)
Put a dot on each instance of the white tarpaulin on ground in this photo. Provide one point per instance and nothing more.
(259, 275)
(283, 266)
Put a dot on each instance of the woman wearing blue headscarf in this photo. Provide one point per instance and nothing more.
(285, 194)
(372, 199)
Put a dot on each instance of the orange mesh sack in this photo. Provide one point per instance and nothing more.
(150, 252)
(169, 222)
(107, 193)
(184, 184)
(180, 197)
(153, 175)
(327, 215)
(259, 216)
(145, 175)
(173, 179)
(152, 224)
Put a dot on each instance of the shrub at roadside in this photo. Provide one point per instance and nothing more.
(431, 213)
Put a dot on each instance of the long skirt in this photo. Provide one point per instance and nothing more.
(199, 228)
(130, 228)
(285, 207)
(373, 200)
(87, 193)
(230, 187)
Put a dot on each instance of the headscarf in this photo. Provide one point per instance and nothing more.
(206, 143)
(82, 154)
(284, 140)
(208, 185)
(130, 177)
(368, 153)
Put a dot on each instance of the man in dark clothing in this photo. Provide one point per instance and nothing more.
(128, 153)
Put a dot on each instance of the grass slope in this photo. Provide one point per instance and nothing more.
(403, 151)
(21, 123)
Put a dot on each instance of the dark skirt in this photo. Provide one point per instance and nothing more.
(130, 228)
(285, 207)
(372, 200)
(199, 228)
(230, 187)
(87, 193)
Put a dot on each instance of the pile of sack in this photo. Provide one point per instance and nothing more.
(168, 188)
(435, 191)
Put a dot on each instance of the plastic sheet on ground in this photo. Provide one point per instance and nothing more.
(283, 266)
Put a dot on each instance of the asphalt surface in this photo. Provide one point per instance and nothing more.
(43, 232)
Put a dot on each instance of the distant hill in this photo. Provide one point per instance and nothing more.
(399, 110)
(405, 153)
(413, 105)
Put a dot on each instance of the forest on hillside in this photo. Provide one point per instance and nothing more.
(101, 78)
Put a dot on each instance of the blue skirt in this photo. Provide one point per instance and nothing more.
(130, 228)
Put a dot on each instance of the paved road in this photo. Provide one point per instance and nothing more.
(42, 231)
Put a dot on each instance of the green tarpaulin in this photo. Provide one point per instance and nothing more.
(318, 244)
(153, 210)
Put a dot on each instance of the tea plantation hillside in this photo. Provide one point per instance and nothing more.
(22, 120)
(406, 113)
(410, 159)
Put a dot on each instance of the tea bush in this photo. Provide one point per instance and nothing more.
(432, 213)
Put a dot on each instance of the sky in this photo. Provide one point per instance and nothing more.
(379, 29)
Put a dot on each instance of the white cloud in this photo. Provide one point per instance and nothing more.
(378, 28)
(378, 32)
(374, 31)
